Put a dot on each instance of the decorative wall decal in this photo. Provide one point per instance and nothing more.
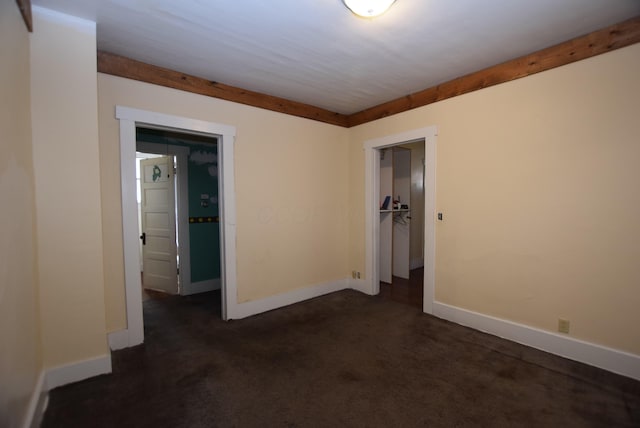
(200, 220)
(200, 157)
(156, 173)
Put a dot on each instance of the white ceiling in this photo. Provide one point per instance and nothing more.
(317, 52)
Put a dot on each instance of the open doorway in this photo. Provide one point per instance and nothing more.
(401, 252)
(130, 120)
(190, 263)
(373, 204)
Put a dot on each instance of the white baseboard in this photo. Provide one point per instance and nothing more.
(243, 310)
(416, 263)
(74, 372)
(202, 286)
(360, 285)
(37, 403)
(118, 339)
(610, 359)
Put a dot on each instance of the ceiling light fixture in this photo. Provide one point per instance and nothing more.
(368, 8)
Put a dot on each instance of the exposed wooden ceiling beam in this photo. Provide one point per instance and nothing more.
(605, 40)
(125, 67)
(608, 39)
(25, 10)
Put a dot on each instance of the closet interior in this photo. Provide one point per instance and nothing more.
(401, 243)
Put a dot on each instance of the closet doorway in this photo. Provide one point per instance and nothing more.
(401, 244)
(372, 154)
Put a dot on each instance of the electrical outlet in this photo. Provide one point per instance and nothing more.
(563, 325)
(353, 274)
(358, 275)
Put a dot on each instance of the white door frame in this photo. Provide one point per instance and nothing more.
(182, 206)
(129, 119)
(372, 207)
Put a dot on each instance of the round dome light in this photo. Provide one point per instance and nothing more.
(368, 8)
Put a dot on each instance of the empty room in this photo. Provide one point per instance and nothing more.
(319, 213)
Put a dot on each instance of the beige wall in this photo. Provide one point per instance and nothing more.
(537, 179)
(291, 190)
(67, 180)
(538, 182)
(20, 353)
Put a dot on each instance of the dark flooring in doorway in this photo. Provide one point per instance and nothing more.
(408, 291)
(341, 360)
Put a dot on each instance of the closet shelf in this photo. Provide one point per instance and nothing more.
(395, 211)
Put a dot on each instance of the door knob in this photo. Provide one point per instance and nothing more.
(144, 238)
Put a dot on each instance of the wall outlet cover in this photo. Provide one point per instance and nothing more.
(564, 325)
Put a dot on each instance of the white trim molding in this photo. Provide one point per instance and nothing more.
(255, 307)
(119, 340)
(360, 285)
(133, 284)
(80, 370)
(201, 286)
(416, 263)
(37, 403)
(372, 208)
(609, 359)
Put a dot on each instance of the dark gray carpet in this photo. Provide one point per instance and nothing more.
(342, 360)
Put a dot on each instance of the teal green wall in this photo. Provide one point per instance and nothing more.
(204, 238)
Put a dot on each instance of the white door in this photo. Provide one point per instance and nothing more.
(159, 261)
(401, 222)
(386, 216)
